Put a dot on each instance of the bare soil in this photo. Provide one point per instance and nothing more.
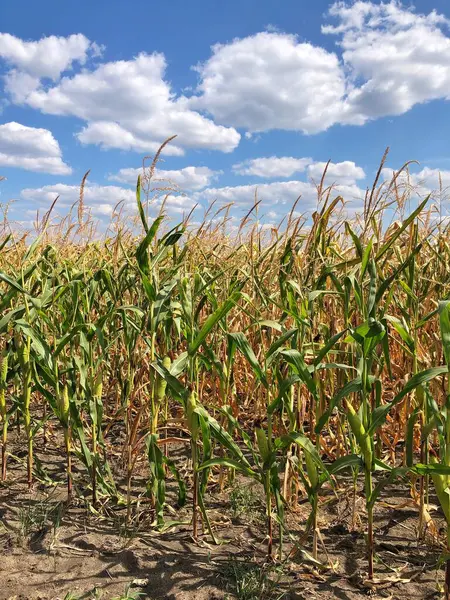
(51, 549)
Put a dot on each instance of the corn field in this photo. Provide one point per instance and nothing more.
(311, 358)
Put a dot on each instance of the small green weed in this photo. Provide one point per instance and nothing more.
(250, 581)
(36, 515)
(246, 502)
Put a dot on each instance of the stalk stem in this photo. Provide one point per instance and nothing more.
(315, 528)
(370, 542)
(195, 492)
(4, 451)
(269, 517)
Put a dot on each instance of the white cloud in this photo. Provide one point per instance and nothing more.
(395, 58)
(100, 199)
(392, 59)
(277, 198)
(434, 179)
(273, 166)
(126, 104)
(271, 81)
(31, 148)
(48, 57)
(94, 195)
(276, 193)
(418, 185)
(102, 210)
(31, 61)
(388, 59)
(178, 204)
(426, 181)
(344, 173)
(188, 178)
(20, 84)
(109, 134)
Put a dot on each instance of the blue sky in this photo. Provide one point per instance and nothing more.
(259, 93)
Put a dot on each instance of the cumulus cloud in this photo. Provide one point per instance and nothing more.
(31, 61)
(100, 200)
(343, 173)
(346, 172)
(395, 58)
(186, 179)
(31, 148)
(277, 198)
(271, 81)
(423, 182)
(94, 195)
(417, 185)
(433, 179)
(272, 166)
(391, 58)
(388, 59)
(47, 57)
(125, 104)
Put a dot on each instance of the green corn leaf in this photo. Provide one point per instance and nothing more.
(402, 329)
(177, 388)
(366, 257)
(223, 437)
(242, 344)
(14, 284)
(285, 386)
(142, 250)
(379, 415)
(212, 321)
(431, 469)
(328, 346)
(16, 313)
(295, 359)
(390, 280)
(229, 462)
(5, 241)
(157, 477)
(8, 297)
(139, 204)
(351, 387)
(419, 379)
(38, 344)
(409, 442)
(304, 443)
(444, 321)
(355, 238)
(278, 343)
(263, 444)
(345, 462)
(271, 324)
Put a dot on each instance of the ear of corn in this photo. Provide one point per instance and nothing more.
(3, 408)
(98, 386)
(161, 382)
(63, 402)
(360, 434)
(263, 444)
(191, 416)
(441, 484)
(311, 469)
(3, 376)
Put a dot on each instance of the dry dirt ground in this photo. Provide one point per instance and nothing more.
(51, 550)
